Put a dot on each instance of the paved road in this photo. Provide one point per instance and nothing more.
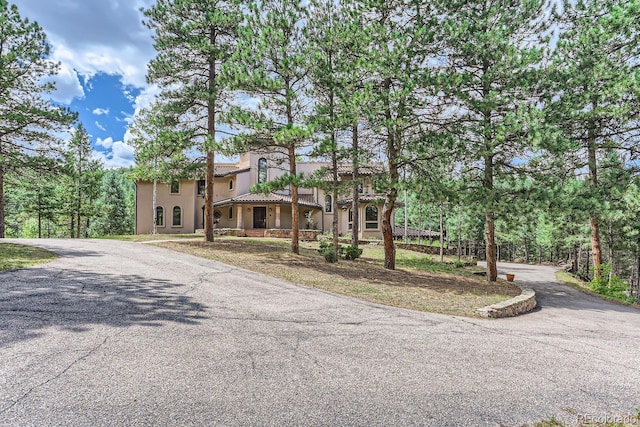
(116, 333)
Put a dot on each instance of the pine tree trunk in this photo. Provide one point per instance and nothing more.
(355, 214)
(596, 245)
(2, 201)
(334, 194)
(492, 267)
(459, 237)
(211, 134)
(441, 233)
(574, 259)
(295, 220)
(392, 194)
(39, 215)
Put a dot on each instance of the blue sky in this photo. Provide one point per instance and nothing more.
(103, 48)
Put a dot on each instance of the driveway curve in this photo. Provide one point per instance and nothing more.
(119, 333)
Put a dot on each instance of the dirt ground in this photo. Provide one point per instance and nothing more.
(418, 283)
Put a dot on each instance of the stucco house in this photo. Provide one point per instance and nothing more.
(180, 204)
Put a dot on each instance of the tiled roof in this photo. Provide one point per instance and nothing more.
(226, 170)
(271, 198)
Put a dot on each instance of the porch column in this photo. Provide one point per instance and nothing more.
(239, 216)
(277, 216)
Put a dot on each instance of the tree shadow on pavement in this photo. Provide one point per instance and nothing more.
(35, 299)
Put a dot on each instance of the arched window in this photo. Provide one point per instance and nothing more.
(371, 217)
(262, 170)
(177, 216)
(159, 216)
(328, 203)
(230, 184)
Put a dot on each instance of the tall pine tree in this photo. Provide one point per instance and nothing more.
(194, 39)
(28, 119)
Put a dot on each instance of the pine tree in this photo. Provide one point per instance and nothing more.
(83, 176)
(402, 40)
(116, 220)
(592, 97)
(336, 68)
(194, 39)
(269, 64)
(493, 69)
(28, 119)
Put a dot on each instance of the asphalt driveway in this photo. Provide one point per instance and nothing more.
(117, 333)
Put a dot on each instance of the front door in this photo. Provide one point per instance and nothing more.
(260, 217)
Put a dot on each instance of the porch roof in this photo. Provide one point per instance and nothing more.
(271, 198)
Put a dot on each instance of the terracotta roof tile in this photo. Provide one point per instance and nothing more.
(303, 200)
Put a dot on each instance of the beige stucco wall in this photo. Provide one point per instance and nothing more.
(185, 199)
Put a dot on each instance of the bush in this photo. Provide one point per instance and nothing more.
(327, 251)
(610, 285)
(459, 264)
(330, 255)
(351, 252)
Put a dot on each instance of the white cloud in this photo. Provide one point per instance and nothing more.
(99, 126)
(101, 111)
(105, 143)
(105, 37)
(120, 156)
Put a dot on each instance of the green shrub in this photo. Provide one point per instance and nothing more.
(327, 251)
(352, 252)
(330, 255)
(610, 285)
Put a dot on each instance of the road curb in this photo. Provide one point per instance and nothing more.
(516, 306)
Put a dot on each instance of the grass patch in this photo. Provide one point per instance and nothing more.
(419, 283)
(574, 282)
(13, 256)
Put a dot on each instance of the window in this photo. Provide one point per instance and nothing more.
(371, 217)
(230, 212)
(159, 216)
(328, 203)
(262, 170)
(174, 187)
(230, 184)
(350, 219)
(177, 216)
(360, 188)
(201, 186)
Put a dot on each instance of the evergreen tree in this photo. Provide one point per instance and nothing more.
(336, 68)
(81, 184)
(28, 119)
(592, 95)
(194, 39)
(116, 220)
(493, 68)
(402, 41)
(269, 64)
